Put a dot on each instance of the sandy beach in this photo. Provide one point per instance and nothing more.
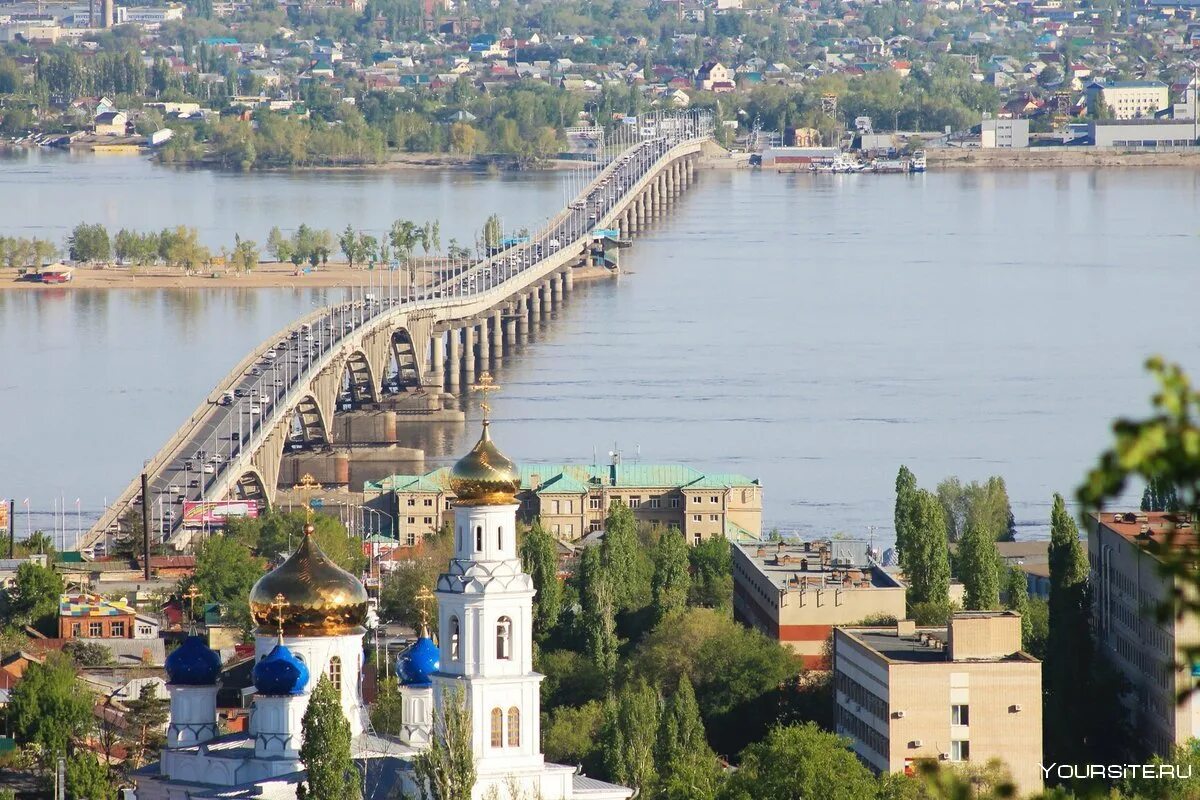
(268, 275)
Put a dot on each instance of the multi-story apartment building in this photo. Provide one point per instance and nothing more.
(962, 693)
(88, 616)
(573, 500)
(796, 593)
(1129, 99)
(1127, 590)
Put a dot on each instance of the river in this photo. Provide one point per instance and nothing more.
(811, 331)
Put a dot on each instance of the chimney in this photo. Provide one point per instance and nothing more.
(535, 480)
(906, 627)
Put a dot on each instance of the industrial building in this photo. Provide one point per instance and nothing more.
(1143, 133)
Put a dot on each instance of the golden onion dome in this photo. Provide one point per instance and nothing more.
(310, 594)
(485, 476)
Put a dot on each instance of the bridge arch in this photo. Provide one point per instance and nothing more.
(404, 352)
(313, 425)
(251, 486)
(364, 381)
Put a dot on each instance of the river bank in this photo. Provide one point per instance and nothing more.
(956, 158)
(268, 275)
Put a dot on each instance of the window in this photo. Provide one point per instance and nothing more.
(655, 502)
(118, 629)
(554, 528)
(514, 727)
(960, 715)
(95, 629)
(504, 639)
(553, 506)
(697, 517)
(429, 520)
(335, 672)
(696, 498)
(499, 538)
(429, 502)
(714, 517)
(696, 538)
(461, 544)
(454, 638)
(568, 506)
(497, 728)
(714, 499)
(960, 750)
(570, 529)
(594, 503)
(595, 526)
(674, 502)
(635, 502)
(412, 520)
(411, 539)
(412, 501)
(76, 629)
(145, 631)
(478, 538)
(612, 502)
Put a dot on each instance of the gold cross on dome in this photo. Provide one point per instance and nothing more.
(307, 486)
(485, 387)
(190, 595)
(278, 604)
(423, 597)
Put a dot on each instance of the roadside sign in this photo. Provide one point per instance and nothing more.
(213, 512)
(316, 503)
(606, 233)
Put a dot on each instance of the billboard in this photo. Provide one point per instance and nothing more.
(4, 515)
(213, 512)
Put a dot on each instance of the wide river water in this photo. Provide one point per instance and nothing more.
(814, 332)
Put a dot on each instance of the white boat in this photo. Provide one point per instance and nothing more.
(917, 164)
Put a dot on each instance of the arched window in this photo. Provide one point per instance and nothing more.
(499, 538)
(497, 728)
(335, 672)
(514, 727)
(454, 638)
(478, 538)
(461, 544)
(504, 638)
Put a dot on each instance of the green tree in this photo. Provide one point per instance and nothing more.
(927, 566)
(49, 708)
(277, 533)
(245, 254)
(226, 570)
(906, 495)
(89, 243)
(636, 717)
(1159, 496)
(688, 766)
(1069, 647)
(571, 732)
(539, 557)
(325, 747)
(493, 232)
(88, 654)
(799, 761)
(711, 564)
(387, 710)
(446, 769)
(88, 779)
(351, 245)
(279, 246)
(599, 613)
(672, 581)
(624, 558)
(33, 597)
(145, 720)
(979, 568)
(1016, 598)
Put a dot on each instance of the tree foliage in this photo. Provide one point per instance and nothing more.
(539, 557)
(799, 761)
(32, 599)
(446, 769)
(906, 500)
(927, 566)
(49, 708)
(325, 747)
(979, 567)
(226, 570)
(672, 581)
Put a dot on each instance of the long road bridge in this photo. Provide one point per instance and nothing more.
(285, 393)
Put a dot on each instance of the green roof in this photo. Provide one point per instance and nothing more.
(577, 479)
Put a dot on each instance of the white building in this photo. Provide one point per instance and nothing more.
(1129, 99)
(311, 614)
(1006, 133)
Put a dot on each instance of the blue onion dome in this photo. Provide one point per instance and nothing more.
(417, 664)
(193, 663)
(280, 672)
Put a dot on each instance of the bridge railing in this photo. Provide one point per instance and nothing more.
(684, 130)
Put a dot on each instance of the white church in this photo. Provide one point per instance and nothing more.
(311, 614)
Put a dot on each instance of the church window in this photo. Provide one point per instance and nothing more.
(454, 638)
(478, 538)
(461, 544)
(335, 672)
(497, 727)
(499, 538)
(514, 727)
(504, 638)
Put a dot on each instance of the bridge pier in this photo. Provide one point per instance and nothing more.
(568, 280)
(523, 317)
(497, 335)
(437, 360)
(510, 332)
(454, 359)
(639, 206)
(556, 288)
(485, 345)
(547, 301)
(655, 199)
(469, 354)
